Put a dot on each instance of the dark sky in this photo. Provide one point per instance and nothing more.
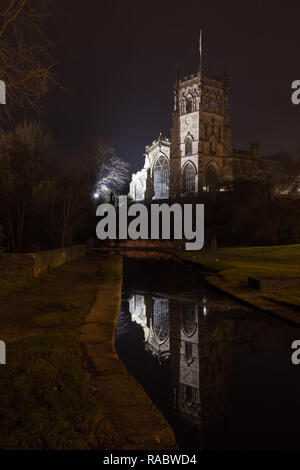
(118, 61)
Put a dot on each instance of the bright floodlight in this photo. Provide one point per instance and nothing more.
(96, 195)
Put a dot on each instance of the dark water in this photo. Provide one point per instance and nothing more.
(220, 372)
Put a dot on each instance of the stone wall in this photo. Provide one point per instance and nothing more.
(34, 264)
(274, 284)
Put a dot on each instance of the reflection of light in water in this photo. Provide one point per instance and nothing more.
(205, 311)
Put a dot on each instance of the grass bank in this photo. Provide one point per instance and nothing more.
(47, 398)
(234, 265)
(11, 285)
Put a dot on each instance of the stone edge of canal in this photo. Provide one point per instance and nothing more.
(135, 420)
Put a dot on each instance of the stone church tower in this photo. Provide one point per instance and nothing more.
(201, 134)
(200, 156)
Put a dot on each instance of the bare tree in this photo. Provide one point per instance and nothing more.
(110, 172)
(281, 172)
(24, 175)
(26, 64)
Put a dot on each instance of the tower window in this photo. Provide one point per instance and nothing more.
(189, 105)
(212, 145)
(188, 319)
(182, 106)
(188, 351)
(189, 394)
(211, 178)
(160, 320)
(188, 146)
(194, 103)
(161, 173)
(189, 179)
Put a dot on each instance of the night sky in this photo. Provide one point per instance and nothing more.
(118, 60)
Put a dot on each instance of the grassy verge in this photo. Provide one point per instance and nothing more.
(47, 397)
(234, 265)
(47, 401)
(10, 285)
(13, 285)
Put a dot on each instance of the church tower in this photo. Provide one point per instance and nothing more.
(199, 157)
(201, 136)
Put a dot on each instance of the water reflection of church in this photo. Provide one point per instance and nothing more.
(152, 314)
(200, 351)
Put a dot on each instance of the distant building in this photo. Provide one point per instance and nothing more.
(200, 156)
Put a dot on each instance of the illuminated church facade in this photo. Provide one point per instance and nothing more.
(199, 157)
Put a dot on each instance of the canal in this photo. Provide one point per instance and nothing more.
(220, 372)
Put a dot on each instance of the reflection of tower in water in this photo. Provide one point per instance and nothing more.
(178, 330)
(198, 364)
(200, 346)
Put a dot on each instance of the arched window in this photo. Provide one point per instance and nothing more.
(212, 103)
(188, 179)
(188, 319)
(211, 178)
(182, 106)
(212, 145)
(194, 103)
(160, 320)
(206, 101)
(188, 351)
(189, 105)
(139, 191)
(139, 306)
(219, 105)
(188, 146)
(161, 172)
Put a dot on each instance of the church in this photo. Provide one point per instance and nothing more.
(200, 156)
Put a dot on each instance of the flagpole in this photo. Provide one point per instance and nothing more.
(200, 66)
(200, 52)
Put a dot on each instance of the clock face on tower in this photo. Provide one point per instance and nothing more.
(188, 377)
